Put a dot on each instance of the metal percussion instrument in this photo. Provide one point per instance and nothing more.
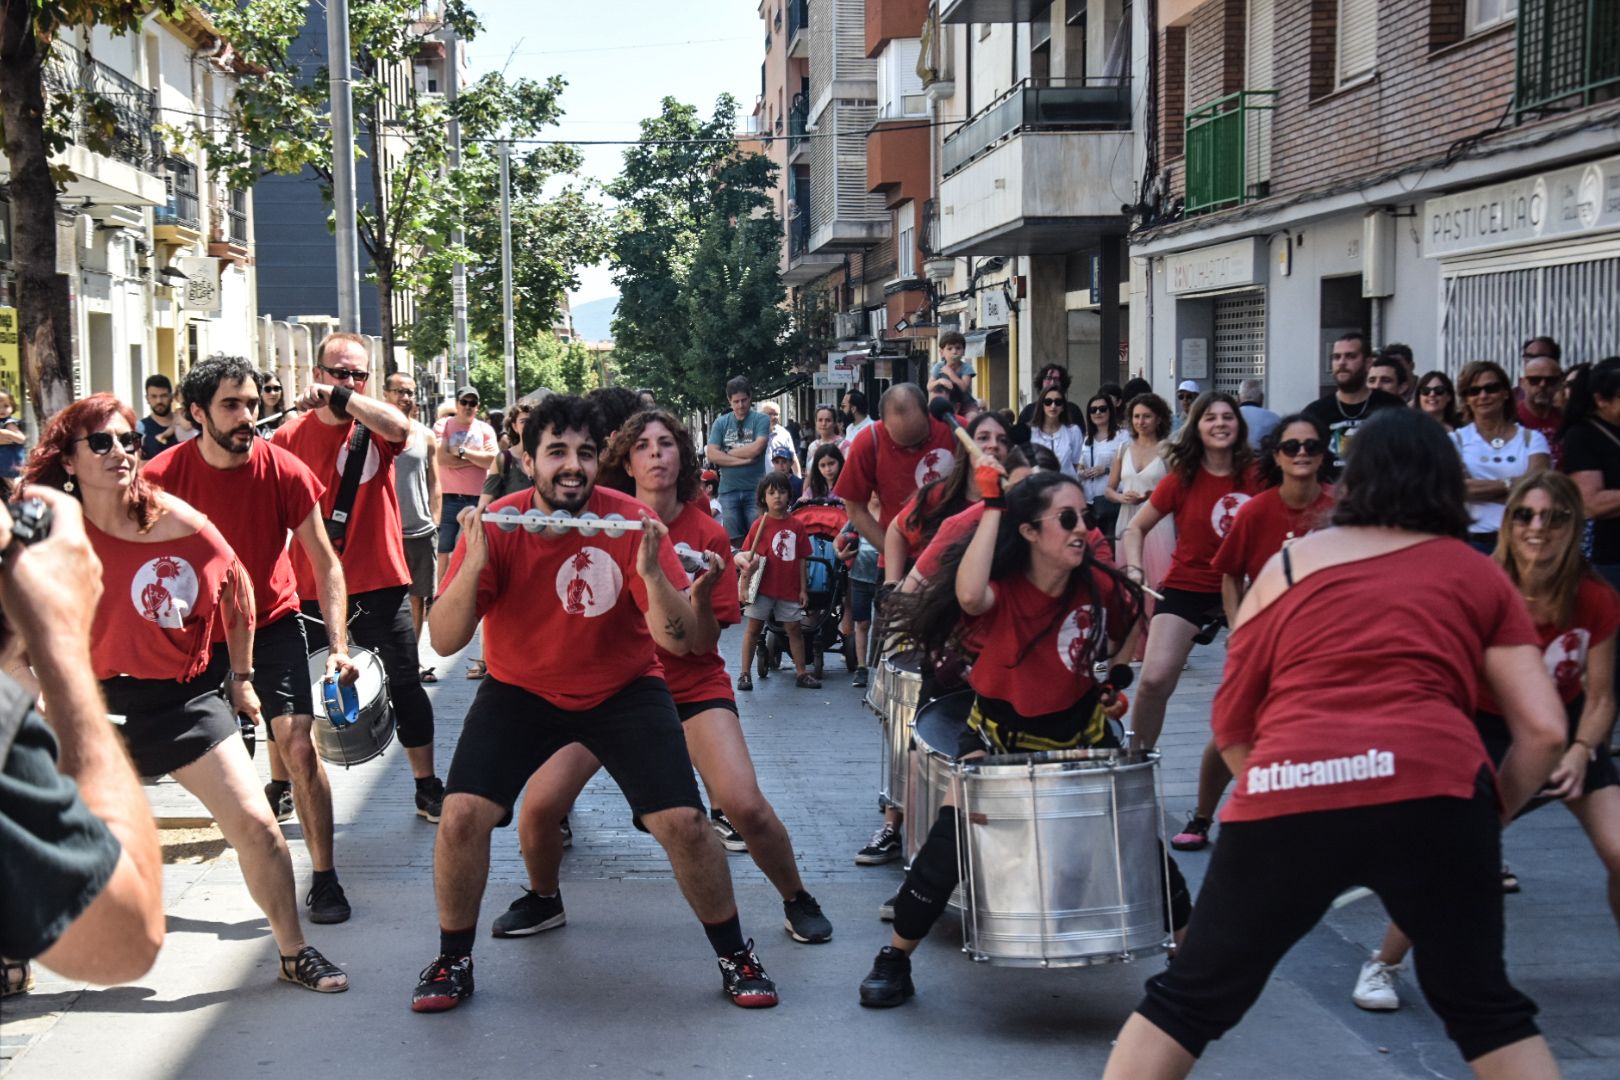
(558, 522)
(899, 678)
(345, 743)
(1062, 855)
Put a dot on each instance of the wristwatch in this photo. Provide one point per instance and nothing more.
(241, 676)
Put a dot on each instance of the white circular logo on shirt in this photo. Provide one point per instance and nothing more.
(1565, 657)
(785, 545)
(589, 583)
(1224, 512)
(1072, 637)
(372, 462)
(164, 591)
(933, 466)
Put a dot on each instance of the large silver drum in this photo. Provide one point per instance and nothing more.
(901, 678)
(1061, 853)
(346, 744)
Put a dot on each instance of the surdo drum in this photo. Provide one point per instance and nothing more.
(1061, 852)
(339, 740)
(896, 689)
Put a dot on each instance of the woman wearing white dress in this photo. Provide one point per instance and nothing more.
(1136, 470)
(1053, 431)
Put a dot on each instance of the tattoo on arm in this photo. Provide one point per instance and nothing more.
(675, 628)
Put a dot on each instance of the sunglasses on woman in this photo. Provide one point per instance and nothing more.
(101, 442)
(1556, 518)
(1295, 447)
(1434, 390)
(1067, 518)
(1099, 410)
(1485, 388)
(1052, 402)
(272, 388)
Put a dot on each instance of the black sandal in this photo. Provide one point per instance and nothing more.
(1510, 880)
(308, 968)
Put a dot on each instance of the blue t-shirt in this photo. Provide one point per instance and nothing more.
(728, 433)
(12, 454)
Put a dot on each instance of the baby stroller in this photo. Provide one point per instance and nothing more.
(827, 580)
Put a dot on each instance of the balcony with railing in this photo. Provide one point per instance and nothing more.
(798, 120)
(179, 221)
(800, 264)
(798, 28)
(1038, 170)
(1568, 54)
(115, 154)
(989, 11)
(1228, 150)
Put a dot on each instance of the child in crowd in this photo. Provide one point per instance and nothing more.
(775, 549)
(950, 365)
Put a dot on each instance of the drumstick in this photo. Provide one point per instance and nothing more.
(940, 409)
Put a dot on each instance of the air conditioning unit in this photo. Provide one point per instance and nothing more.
(849, 324)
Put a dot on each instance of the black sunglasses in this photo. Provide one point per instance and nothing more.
(1555, 518)
(1185, 396)
(1542, 380)
(272, 388)
(1293, 447)
(1052, 402)
(1484, 388)
(101, 442)
(1099, 409)
(467, 401)
(343, 373)
(402, 392)
(1434, 390)
(1067, 518)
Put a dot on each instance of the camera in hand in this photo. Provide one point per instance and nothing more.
(30, 521)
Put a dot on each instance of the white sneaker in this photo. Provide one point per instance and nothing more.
(1375, 987)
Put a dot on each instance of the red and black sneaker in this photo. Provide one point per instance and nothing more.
(446, 983)
(745, 980)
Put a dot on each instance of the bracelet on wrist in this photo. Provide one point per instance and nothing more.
(995, 502)
(339, 402)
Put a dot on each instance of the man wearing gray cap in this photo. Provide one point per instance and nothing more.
(1186, 393)
(467, 446)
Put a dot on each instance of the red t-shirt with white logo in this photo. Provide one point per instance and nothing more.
(703, 678)
(1205, 512)
(1263, 525)
(783, 546)
(1054, 673)
(959, 527)
(1343, 710)
(373, 553)
(254, 507)
(1565, 651)
(877, 463)
(563, 615)
(159, 604)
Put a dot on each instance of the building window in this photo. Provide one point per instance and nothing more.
(906, 241)
(1484, 14)
(900, 88)
(1358, 40)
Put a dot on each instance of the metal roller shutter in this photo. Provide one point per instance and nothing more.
(1240, 339)
(1489, 316)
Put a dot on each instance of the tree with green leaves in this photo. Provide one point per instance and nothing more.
(543, 362)
(695, 248)
(34, 129)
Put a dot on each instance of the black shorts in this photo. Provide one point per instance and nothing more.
(693, 708)
(635, 734)
(167, 724)
(1600, 772)
(1435, 864)
(281, 670)
(1198, 608)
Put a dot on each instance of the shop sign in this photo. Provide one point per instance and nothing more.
(1220, 266)
(1566, 203)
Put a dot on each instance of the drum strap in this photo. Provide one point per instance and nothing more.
(1007, 740)
(337, 524)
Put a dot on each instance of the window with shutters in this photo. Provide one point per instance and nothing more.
(906, 243)
(1484, 14)
(1358, 40)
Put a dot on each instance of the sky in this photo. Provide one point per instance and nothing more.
(620, 60)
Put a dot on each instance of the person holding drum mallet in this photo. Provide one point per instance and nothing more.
(172, 591)
(1382, 783)
(257, 493)
(1040, 610)
(571, 617)
(655, 450)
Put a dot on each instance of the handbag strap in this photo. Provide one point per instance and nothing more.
(337, 523)
(1607, 434)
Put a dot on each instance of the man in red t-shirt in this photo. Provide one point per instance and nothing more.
(255, 494)
(571, 625)
(1538, 390)
(656, 452)
(894, 457)
(371, 549)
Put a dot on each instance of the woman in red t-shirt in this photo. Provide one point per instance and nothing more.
(1297, 499)
(914, 526)
(168, 578)
(1210, 477)
(1576, 615)
(1043, 611)
(1380, 781)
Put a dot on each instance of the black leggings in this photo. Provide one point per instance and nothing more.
(380, 620)
(1433, 862)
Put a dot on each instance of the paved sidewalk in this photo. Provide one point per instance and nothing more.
(629, 988)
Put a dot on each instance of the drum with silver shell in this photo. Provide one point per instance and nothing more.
(346, 744)
(901, 677)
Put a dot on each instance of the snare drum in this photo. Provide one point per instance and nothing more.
(901, 678)
(373, 729)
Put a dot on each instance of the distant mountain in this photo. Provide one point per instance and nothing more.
(593, 319)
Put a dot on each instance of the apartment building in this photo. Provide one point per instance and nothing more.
(155, 253)
(1441, 173)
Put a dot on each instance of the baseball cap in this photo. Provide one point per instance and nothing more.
(710, 476)
(782, 454)
(466, 391)
(1190, 387)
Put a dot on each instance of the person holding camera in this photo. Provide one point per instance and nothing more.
(173, 585)
(80, 865)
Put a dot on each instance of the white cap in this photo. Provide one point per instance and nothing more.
(1189, 386)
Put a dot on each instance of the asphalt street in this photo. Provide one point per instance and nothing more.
(629, 987)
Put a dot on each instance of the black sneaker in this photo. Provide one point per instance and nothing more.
(804, 920)
(430, 800)
(858, 680)
(889, 982)
(745, 681)
(326, 903)
(1195, 837)
(567, 831)
(745, 980)
(530, 914)
(730, 838)
(279, 795)
(884, 847)
(445, 983)
(886, 909)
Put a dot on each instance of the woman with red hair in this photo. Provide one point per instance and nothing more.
(172, 643)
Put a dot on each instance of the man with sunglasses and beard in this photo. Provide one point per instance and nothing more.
(372, 552)
(1539, 381)
(256, 494)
